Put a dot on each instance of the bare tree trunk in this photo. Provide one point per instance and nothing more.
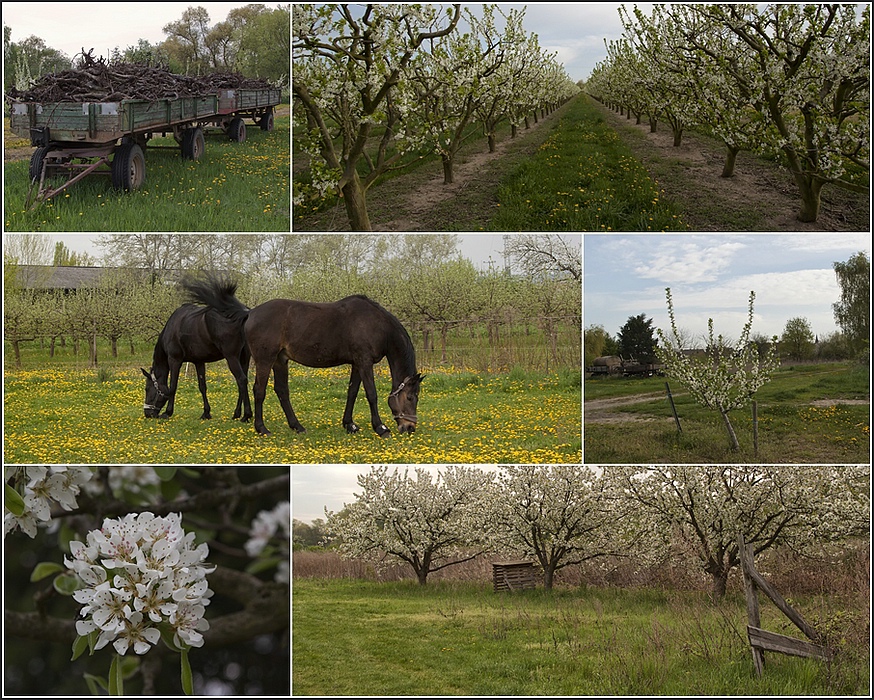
(356, 204)
(735, 446)
(730, 158)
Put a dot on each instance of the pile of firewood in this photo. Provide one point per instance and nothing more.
(98, 81)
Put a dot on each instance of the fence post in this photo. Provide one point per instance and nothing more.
(745, 553)
(673, 408)
(755, 430)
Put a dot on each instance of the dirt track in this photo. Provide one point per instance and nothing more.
(605, 410)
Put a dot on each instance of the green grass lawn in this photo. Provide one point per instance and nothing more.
(355, 637)
(233, 187)
(795, 425)
(583, 178)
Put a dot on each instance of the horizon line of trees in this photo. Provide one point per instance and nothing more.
(423, 280)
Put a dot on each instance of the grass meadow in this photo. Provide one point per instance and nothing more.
(353, 636)
(807, 414)
(233, 187)
(583, 178)
(60, 412)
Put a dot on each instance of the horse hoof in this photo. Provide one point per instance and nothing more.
(352, 428)
(382, 431)
(262, 431)
(206, 416)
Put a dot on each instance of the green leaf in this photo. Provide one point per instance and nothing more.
(66, 583)
(79, 647)
(129, 666)
(165, 473)
(187, 680)
(45, 569)
(13, 501)
(96, 683)
(116, 682)
(259, 565)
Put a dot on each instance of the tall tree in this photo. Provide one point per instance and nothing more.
(797, 339)
(546, 254)
(853, 311)
(561, 515)
(707, 507)
(428, 523)
(187, 42)
(637, 339)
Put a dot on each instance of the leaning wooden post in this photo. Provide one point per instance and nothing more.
(755, 430)
(745, 553)
(673, 408)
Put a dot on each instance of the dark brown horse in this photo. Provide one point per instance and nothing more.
(354, 331)
(200, 334)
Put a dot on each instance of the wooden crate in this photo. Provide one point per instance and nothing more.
(513, 575)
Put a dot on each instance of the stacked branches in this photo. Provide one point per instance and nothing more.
(98, 81)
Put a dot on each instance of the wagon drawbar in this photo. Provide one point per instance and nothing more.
(77, 139)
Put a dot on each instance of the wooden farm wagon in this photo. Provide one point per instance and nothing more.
(104, 136)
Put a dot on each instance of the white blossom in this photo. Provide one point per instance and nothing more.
(265, 527)
(140, 571)
(41, 488)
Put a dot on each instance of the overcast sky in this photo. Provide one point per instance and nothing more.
(71, 26)
(576, 31)
(711, 276)
(319, 486)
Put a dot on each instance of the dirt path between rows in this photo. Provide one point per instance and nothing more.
(761, 196)
(605, 410)
(417, 200)
(416, 206)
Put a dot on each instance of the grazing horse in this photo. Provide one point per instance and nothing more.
(354, 331)
(200, 334)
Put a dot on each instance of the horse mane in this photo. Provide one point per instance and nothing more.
(216, 292)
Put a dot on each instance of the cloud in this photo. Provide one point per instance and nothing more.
(689, 262)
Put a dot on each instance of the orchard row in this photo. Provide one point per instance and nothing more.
(789, 81)
(378, 85)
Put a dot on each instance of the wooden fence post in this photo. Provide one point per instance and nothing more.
(755, 430)
(762, 640)
(673, 408)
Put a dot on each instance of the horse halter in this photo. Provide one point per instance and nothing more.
(398, 416)
(161, 394)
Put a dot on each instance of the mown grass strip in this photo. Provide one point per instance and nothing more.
(583, 178)
(354, 637)
(234, 187)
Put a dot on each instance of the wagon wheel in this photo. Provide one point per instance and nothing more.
(237, 130)
(128, 167)
(266, 122)
(193, 144)
(36, 162)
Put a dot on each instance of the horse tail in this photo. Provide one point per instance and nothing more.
(217, 292)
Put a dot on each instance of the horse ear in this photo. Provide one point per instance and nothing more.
(145, 374)
(419, 377)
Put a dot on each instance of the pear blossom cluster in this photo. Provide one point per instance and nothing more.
(141, 574)
(265, 525)
(41, 488)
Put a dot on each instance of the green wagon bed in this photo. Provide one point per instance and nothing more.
(77, 139)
